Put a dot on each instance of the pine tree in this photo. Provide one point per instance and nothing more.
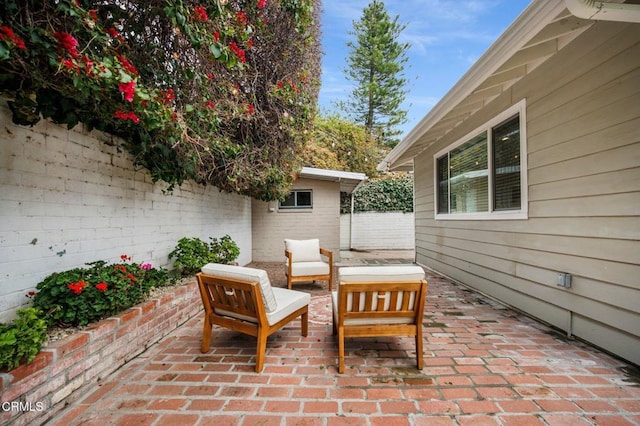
(376, 64)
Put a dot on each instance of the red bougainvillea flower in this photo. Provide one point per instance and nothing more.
(262, 4)
(127, 115)
(128, 66)
(167, 96)
(76, 288)
(128, 90)
(70, 65)
(200, 14)
(7, 33)
(67, 42)
(101, 287)
(238, 52)
(112, 32)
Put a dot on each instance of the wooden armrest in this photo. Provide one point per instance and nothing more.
(328, 253)
(287, 254)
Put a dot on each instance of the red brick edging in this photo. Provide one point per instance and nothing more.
(35, 392)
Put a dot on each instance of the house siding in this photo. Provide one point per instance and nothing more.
(272, 225)
(583, 142)
(68, 197)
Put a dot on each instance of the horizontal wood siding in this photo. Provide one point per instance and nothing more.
(583, 141)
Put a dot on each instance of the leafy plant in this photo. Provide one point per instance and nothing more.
(22, 340)
(225, 249)
(340, 144)
(218, 92)
(191, 254)
(83, 295)
(393, 192)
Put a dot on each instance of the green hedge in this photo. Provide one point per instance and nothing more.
(385, 194)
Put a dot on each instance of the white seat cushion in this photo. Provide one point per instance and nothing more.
(302, 269)
(352, 274)
(288, 301)
(246, 274)
(304, 250)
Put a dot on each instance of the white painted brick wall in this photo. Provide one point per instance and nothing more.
(377, 231)
(67, 198)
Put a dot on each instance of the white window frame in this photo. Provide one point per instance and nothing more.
(522, 213)
(296, 207)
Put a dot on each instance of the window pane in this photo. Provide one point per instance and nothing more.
(506, 165)
(469, 176)
(290, 201)
(443, 184)
(304, 199)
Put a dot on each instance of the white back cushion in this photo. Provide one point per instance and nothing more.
(245, 274)
(304, 250)
(354, 274)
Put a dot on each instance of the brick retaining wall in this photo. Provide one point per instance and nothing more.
(64, 369)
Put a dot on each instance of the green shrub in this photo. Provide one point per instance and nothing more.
(83, 295)
(191, 254)
(392, 192)
(22, 340)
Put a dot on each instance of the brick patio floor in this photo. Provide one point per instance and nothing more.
(484, 365)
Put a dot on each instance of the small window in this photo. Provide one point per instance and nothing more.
(483, 175)
(298, 199)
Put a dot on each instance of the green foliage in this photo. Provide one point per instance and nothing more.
(21, 340)
(83, 295)
(339, 144)
(192, 254)
(218, 92)
(376, 64)
(393, 192)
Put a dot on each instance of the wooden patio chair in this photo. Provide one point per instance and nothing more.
(242, 299)
(307, 261)
(376, 301)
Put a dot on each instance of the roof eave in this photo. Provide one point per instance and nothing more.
(530, 23)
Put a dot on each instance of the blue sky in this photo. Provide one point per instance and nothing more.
(446, 37)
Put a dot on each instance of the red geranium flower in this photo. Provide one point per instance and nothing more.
(101, 287)
(242, 17)
(76, 288)
(262, 4)
(210, 104)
